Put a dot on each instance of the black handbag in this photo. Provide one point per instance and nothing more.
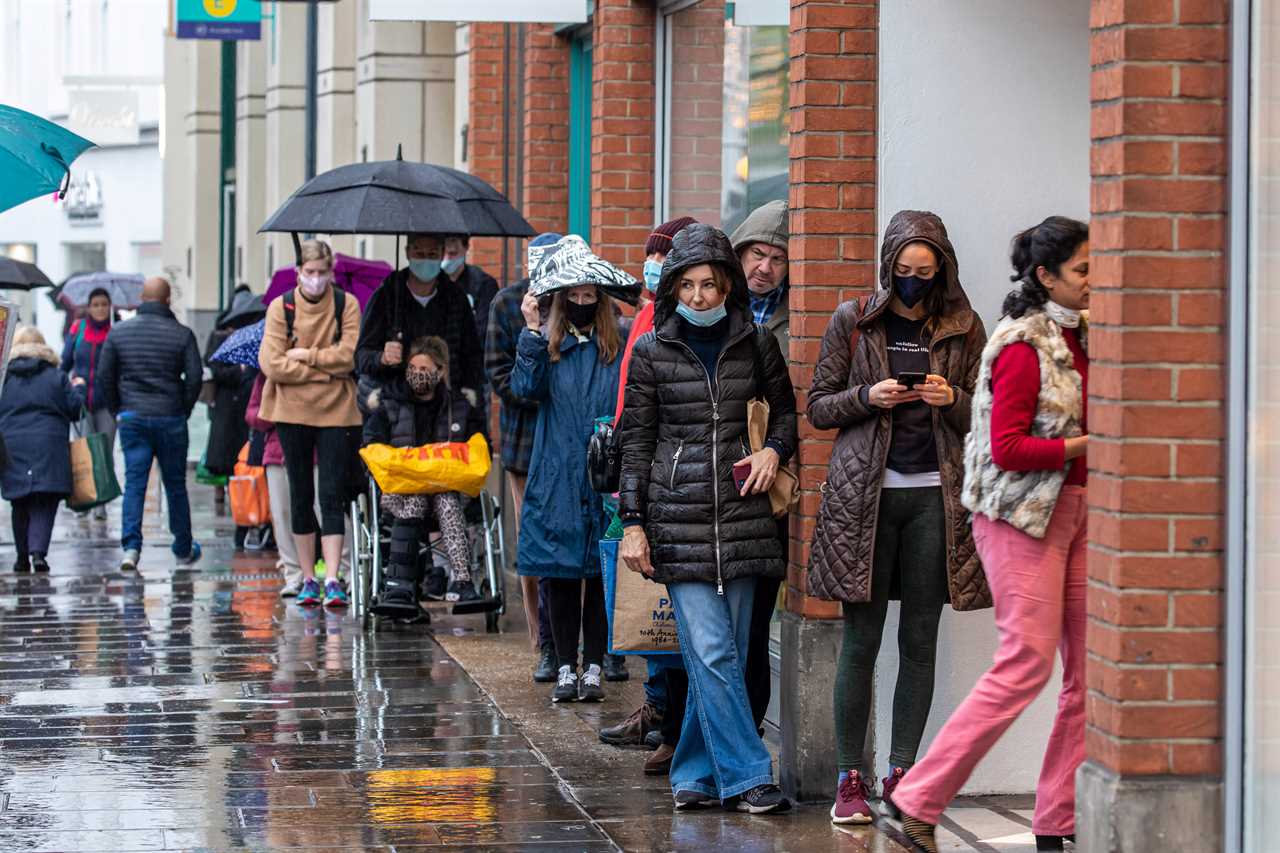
(604, 459)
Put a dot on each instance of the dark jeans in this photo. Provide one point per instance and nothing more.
(911, 549)
(545, 640)
(328, 449)
(164, 439)
(571, 613)
(33, 518)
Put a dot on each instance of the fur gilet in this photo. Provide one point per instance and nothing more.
(1024, 499)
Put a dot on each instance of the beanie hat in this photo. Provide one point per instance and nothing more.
(660, 239)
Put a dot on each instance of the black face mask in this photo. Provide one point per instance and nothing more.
(580, 316)
(912, 288)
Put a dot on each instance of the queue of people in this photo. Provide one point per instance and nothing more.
(957, 475)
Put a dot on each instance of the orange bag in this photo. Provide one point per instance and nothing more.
(247, 490)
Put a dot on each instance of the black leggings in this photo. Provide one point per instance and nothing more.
(911, 548)
(308, 447)
(573, 612)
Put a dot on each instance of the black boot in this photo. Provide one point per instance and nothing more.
(23, 564)
(38, 563)
(1053, 842)
(398, 596)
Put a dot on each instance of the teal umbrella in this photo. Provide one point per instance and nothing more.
(35, 156)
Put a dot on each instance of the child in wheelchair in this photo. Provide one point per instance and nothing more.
(412, 410)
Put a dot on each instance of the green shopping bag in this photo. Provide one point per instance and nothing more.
(93, 474)
(205, 477)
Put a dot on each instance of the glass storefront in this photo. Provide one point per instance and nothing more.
(723, 147)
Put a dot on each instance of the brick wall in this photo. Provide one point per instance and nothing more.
(622, 131)
(833, 219)
(546, 129)
(484, 135)
(1157, 347)
(697, 111)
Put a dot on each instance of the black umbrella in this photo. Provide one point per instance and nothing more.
(246, 309)
(20, 275)
(398, 197)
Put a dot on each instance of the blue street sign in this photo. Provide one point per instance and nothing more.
(225, 20)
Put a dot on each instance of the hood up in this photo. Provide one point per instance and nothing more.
(699, 244)
(29, 358)
(768, 223)
(917, 226)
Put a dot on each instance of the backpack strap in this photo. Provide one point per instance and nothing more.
(291, 309)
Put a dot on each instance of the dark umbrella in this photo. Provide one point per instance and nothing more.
(20, 275)
(398, 197)
(246, 308)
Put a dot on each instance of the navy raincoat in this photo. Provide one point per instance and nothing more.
(563, 519)
(37, 407)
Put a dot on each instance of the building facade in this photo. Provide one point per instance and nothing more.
(1151, 119)
(97, 69)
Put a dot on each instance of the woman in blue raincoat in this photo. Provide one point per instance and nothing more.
(570, 366)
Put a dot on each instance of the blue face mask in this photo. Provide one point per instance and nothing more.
(702, 318)
(425, 270)
(912, 288)
(652, 274)
(452, 265)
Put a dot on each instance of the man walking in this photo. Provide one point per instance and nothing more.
(149, 376)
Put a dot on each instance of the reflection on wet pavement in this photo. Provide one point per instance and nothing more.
(192, 709)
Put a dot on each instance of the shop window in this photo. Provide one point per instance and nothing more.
(723, 137)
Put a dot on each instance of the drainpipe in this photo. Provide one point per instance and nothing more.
(313, 63)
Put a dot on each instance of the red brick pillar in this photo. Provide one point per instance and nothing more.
(485, 145)
(546, 129)
(1157, 422)
(622, 131)
(833, 257)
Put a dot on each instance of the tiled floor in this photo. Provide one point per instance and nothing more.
(192, 709)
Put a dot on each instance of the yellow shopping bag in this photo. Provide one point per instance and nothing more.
(431, 469)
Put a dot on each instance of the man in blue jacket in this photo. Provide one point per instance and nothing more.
(149, 376)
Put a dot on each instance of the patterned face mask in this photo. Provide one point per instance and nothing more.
(421, 381)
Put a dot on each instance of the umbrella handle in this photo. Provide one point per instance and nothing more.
(66, 179)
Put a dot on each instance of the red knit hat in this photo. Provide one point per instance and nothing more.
(660, 239)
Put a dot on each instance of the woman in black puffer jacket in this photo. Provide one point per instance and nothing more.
(688, 525)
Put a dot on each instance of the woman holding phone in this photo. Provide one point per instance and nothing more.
(896, 377)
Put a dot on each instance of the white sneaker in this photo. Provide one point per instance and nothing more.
(566, 685)
(292, 584)
(130, 561)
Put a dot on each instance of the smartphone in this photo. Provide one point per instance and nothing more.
(741, 471)
(911, 380)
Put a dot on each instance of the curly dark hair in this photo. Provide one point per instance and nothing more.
(1050, 245)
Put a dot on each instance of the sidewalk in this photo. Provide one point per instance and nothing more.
(194, 710)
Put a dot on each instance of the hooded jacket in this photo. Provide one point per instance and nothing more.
(769, 224)
(844, 538)
(680, 440)
(37, 408)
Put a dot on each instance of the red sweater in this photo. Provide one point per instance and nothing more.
(642, 323)
(1015, 387)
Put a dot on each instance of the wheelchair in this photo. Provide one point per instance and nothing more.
(371, 528)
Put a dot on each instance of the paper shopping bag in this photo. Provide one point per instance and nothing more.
(641, 618)
(93, 476)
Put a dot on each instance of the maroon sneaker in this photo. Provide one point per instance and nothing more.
(851, 800)
(890, 782)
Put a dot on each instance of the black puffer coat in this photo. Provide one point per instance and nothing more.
(393, 417)
(679, 444)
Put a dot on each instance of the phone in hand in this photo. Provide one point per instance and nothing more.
(911, 379)
(741, 471)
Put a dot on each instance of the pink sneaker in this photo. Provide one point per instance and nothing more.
(890, 782)
(851, 800)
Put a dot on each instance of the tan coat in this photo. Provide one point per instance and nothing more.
(319, 391)
(843, 547)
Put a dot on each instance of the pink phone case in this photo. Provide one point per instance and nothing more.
(741, 471)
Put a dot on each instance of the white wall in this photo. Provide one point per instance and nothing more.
(984, 119)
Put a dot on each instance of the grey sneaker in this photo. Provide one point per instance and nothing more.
(589, 689)
(130, 561)
(292, 584)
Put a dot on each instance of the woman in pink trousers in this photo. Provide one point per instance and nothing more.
(1024, 482)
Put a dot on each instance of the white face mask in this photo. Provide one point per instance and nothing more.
(314, 285)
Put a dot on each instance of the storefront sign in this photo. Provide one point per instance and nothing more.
(543, 11)
(225, 20)
(762, 13)
(106, 116)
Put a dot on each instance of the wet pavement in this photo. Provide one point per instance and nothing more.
(192, 709)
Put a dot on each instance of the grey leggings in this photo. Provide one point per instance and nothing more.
(911, 558)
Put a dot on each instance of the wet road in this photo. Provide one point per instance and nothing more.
(192, 709)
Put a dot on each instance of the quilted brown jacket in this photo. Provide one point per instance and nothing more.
(844, 539)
